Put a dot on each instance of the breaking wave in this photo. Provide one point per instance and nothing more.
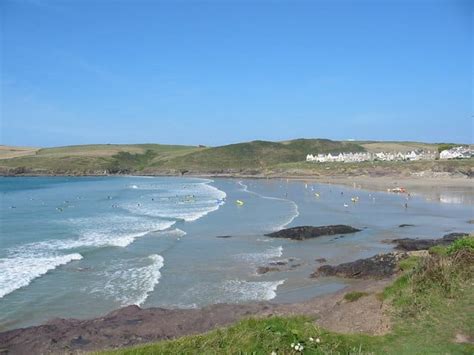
(128, 284)
(17, 272)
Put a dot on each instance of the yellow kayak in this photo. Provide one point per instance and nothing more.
(239, 202)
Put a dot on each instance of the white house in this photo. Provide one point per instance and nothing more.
(366, 156)
(457, 153)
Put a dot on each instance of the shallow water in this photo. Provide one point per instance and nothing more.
(80, 247)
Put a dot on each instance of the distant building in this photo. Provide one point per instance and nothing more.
(366, 156)
(461, 152)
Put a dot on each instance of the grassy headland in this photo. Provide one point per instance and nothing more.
(257, 158)
(431, 306)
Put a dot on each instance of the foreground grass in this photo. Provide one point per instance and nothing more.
(253, 336)
(432, 303)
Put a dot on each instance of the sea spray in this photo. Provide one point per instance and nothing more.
(261, 257)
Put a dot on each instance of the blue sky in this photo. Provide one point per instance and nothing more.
(219, 72)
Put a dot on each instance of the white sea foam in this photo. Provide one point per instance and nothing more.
(187, 202)
(19, 271)
(295, 212)
(174, 233)
(233, 291)
(29, 261)
(240, 291)
(261, 257)
(127, 284)
(110, 230)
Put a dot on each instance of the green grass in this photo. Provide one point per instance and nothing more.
(439, 250)
(354, 296)
(375, 168)
(261, 336)
(466, 242)
(93, 159)
(462, 243)
(409, 263)
(431, 302)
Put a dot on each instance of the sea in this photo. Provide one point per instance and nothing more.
(80, 247)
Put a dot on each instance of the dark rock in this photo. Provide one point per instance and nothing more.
(279, 263)
(377, 267)
(321, 260)
(79, 341)
(307, 232)
(412, 244)
(405, 225)
(264, 269)
(294, 266)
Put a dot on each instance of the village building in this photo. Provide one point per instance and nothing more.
(461, 152)
(366, 156)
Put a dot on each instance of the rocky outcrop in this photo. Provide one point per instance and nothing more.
(411, 244)
(264, 269)
(308, 232)
(377, 267)
(384, 265)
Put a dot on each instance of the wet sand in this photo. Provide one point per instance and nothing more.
(416, 184)
(441, 188)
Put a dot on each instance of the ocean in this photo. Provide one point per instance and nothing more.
(83, 246)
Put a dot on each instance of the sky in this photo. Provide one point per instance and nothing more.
(220, 72)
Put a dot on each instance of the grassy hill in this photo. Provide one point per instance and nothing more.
(7, 152)
(155, 157)
(256, 154)
(250, 158)
(375, 147)
(92, 159)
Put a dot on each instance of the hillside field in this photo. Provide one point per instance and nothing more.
(256, 158)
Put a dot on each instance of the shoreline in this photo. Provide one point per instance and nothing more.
(441, 179)
(419, 183)
(132, 325)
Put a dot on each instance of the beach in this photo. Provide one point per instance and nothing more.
(183, 244)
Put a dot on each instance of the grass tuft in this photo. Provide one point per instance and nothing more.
(409, 263)
(461, 244)
(354, 296)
